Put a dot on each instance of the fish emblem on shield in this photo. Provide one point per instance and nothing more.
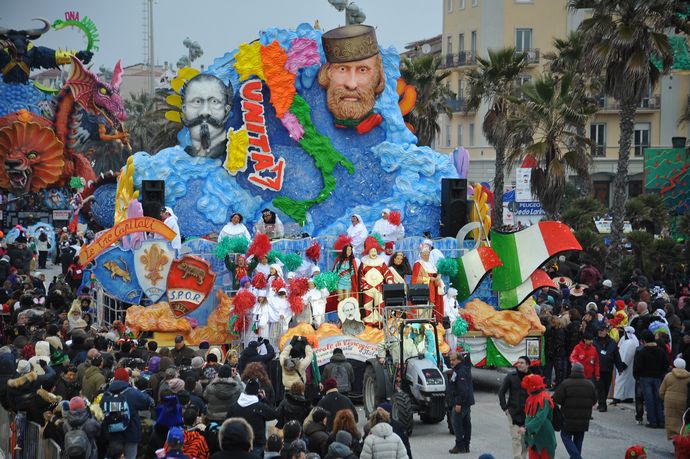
(114, 270)
(190, 281)
(152, 263)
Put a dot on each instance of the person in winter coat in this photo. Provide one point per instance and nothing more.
(294, 406)
(93, 378)
(236, 439)
(514, 407)
(576, 397)
(555, 349)
(27, 392)
(674, 393)
(250, 407)
(340, 369)
(340, 448)
(609, 359)
(251, 354)
(398, 427)
(67, 385)
(345, 421)
(461, 398)
(136, 401)
(222, 393)
(538, 430)
(7, 372)
(649, 367)
(78, 417)
(382, 443)
(315, 431)
(586, 354)
(294, 361)
(334, 401)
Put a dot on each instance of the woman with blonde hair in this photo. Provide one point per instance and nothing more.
(382, 442)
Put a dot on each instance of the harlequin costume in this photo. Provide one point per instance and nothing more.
(539, 434)
(425, 272)
(373, 274)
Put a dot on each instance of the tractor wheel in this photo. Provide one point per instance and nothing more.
(402, 410)
(427, 419)
(370, 398)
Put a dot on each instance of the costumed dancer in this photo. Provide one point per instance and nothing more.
(235, 227)
(261, 316)
(310, 261)
(238, 267)
(538, 430)
(624, 388)
(425, 272)
(347, 268)
(389, 226)
(373, 274)
(388, 250)
(400, 267)
(257, 255)
(170, 221)
(315, 299)
(358, 233)
(619, 320)
(262, 265)
(435, 254)
(274, 281)
(270, 225)
(450, 310)
(279, 315)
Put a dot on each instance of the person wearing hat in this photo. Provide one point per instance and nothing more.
(279, 314)
(175, 445)
(251, 354)
(78, 417)
(22, 391)
(636, 452)
(137, 401)
(388, 250)
(538, 430)
(425, 272)
(222, 392)
(586, 354)
(250, 407)
(649, 368)
(353, 76)
(334, 401)
(181, 351)
(389, 230)
(674, 393)
(576, 397)
(609, 359)
(341, 447)
(358, 233)
(373, 274)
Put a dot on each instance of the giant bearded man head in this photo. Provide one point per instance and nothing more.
(353, 76)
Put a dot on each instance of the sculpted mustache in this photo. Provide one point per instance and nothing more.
(215, 122)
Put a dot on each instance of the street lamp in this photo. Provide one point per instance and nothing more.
(353, 13)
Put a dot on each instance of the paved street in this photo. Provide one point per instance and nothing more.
(609, 436)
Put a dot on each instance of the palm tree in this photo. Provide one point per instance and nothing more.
(582, 212)
(568, 59)
(494, 82)
(139, 124)
(545, 118)
(648, 212)
(621, 37)
(432, 96)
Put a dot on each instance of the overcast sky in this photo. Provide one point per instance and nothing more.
(218, 25)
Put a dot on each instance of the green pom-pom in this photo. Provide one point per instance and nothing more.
(227, 245)
(447, 267)
(378, 237)
(76, 183)
(274, 255)
(231, 324)
(329, 281)
(460, 327)
(291, 261)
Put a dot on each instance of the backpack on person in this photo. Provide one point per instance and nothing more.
(77, 444)
(116, 411)
(340, 374)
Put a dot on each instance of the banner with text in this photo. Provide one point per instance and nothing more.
(353, 348)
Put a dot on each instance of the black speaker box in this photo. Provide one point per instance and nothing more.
(152, 197)
(418, 293)
(453, 206)
(394, 294)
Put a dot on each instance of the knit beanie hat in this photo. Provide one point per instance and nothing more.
(344, 437)
(175, 437)
(197, 362)
(577, 369)
(679, 363)
(252, 387)
(154, 364)
(176, 385)
(121, 374)
(23, 367)
(329, 384)
(77, 403)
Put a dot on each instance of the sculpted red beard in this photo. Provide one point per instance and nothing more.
(351, 109)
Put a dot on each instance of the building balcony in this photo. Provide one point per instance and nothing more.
(456, 104)
(460, 59)
(532, 56)
(646, 104)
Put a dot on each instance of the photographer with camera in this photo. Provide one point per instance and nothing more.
(260, 351)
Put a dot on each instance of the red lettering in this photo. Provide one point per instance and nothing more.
(251, 90)
(262, 161)
(255, 128)
(260, 142)
(253, 112)
(72, 15)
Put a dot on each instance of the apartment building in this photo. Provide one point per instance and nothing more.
(471, 27)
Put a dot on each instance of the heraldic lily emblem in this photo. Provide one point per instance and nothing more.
(154, 259)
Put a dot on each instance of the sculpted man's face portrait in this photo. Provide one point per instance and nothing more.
(352, 87)
(205, 108)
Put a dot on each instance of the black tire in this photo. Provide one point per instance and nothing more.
(370, 398)
(402, 411)
(426, 419)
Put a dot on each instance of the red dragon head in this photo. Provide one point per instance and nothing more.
(98, 97)
(30, 153)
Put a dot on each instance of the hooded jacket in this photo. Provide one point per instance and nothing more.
(92, 382)
(674, 393)
(292, 407)
(82, 420)
(299, 374)
(339, 360)
(256, 413)
(317, 435)
(23, 393)
(137, 401)
(382, 443)
(251, 354)
(220, 395)
(339, 450)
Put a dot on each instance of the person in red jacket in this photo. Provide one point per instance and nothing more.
(586, 354)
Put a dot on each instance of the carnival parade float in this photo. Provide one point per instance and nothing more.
(306, 127)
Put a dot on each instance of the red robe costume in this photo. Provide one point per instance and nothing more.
(424, 272)
(372, 275)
